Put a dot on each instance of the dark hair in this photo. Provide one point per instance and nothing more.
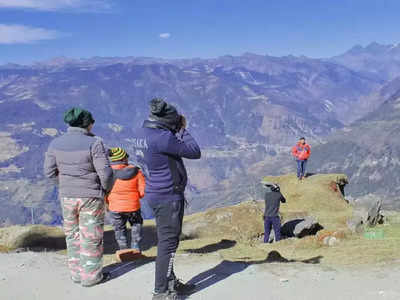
(302, 138)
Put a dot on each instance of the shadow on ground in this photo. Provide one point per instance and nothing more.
(37, 242)
(310, 174)
(227, 268)
(223, 244)
(119, 269)
(149, 239)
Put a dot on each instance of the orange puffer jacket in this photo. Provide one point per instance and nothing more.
(301, 152)
(128, 189)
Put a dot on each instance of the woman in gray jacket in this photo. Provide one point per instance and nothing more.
(79, 163)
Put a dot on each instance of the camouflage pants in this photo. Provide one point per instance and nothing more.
(84, 228)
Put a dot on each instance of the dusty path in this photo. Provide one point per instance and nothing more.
(44, 276)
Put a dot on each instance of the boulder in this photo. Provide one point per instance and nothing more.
(301, 227)
(309, 226)
(363, 216)
(356, 224)
(374, 214)
(330, 241)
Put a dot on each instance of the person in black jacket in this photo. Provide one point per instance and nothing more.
(273, 198)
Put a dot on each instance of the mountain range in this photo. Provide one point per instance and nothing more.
(245, 111)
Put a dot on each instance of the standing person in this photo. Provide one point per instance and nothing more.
(124, 199)
(301, 152)
(273, 198)
(79, 162)
(161, 143)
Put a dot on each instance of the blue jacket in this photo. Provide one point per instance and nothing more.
(160, 153)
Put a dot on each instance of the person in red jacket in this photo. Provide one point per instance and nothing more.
(124, 199)
(301, 152)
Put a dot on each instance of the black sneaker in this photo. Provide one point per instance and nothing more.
(106, 277)
(168, 295)
(184, 288)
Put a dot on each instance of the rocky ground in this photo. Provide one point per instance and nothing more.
(44, 276)
(221, 252)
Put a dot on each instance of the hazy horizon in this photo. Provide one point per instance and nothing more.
(187, 58)
(39, 30)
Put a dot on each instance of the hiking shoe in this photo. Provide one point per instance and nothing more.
(168, 295)
(106, 277)
(183, 288)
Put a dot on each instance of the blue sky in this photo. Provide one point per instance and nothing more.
(35, 30)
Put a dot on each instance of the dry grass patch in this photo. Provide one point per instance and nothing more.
(233, 233)
(33, 237)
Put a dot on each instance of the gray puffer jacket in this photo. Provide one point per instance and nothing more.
(80, 163)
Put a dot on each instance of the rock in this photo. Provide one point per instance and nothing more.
(309, 226)
(361, 213)
(330, 241)
(370, 215)
(301, 227)
(366, 216)
(356, 224)
(374, 214)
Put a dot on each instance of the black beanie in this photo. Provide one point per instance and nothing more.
(78, 117)
(165, 113)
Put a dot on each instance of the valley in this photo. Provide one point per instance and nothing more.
(245, 111)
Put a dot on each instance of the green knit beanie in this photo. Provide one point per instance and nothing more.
(78, 117)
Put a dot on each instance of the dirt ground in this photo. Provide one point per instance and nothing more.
(44, 276)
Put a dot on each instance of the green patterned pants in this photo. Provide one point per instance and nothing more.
(84, 228)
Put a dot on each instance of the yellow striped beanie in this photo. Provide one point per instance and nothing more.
(117, 154)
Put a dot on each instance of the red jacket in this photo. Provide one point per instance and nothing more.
(301, 152)
(128, 189)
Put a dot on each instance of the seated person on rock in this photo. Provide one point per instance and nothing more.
(124, 199)
(273, 199)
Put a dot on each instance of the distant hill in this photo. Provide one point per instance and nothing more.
(369, 151)
(244, 110)
(378, 60)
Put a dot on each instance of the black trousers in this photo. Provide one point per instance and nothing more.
(169, 217)
(269, 223)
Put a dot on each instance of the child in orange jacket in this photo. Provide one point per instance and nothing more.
(124, 199)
